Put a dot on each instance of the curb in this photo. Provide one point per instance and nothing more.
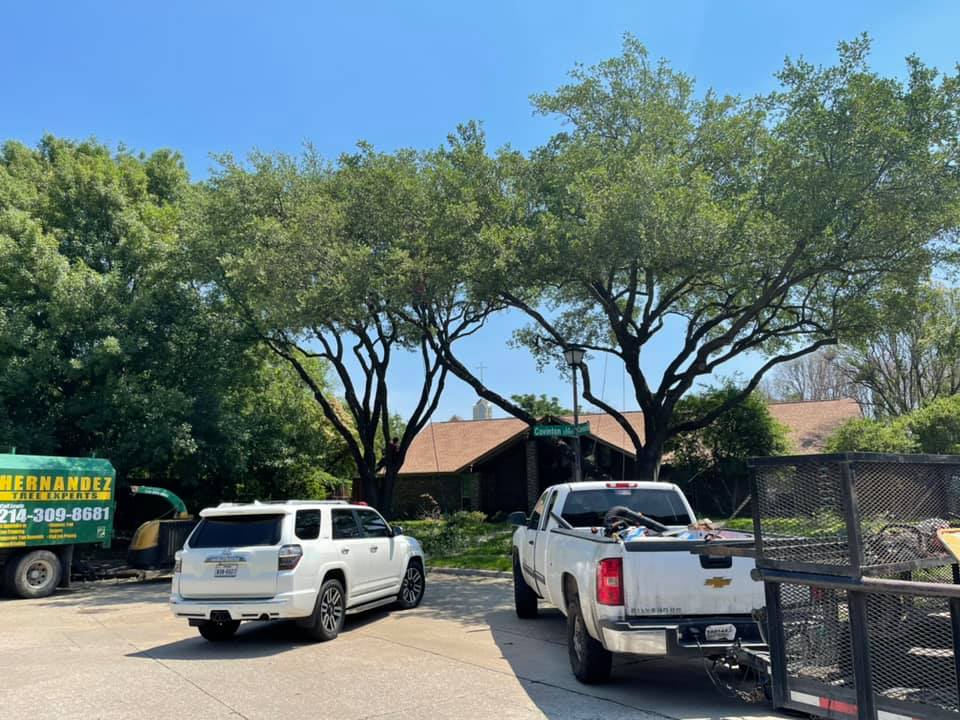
(471, 573)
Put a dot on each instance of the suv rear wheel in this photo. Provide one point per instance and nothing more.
(329, 612)
(218, 631)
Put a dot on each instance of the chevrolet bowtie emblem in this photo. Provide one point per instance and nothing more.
(717, 582)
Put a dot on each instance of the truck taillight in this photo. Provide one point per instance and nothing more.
(610, 581)
(288, 557)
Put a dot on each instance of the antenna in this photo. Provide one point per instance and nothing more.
(481, 367)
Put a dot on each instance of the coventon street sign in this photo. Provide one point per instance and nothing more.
(561, 430)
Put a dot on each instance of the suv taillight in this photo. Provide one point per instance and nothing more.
(288, 557)
(177, 563)
(610, 581)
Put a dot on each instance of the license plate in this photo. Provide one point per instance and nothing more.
(721, 633)
(225, 570)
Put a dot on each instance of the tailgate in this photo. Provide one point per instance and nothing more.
(662, 577)
(232, 557)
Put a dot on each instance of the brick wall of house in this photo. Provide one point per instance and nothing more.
(451, 492)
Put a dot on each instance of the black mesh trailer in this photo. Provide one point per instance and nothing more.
(862, 614)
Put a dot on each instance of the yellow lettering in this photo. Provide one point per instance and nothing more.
(73, 483)
(6, 482)
(96, 484)
(31, 483)
(85, 483)
(45, 483)
(58, 484)
(18, 482)
(107, 482)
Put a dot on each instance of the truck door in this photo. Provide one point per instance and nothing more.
(542, 541)
(527, 555)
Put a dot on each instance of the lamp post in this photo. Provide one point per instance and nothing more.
(574, 358)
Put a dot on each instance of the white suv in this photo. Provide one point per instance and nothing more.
(307, 560)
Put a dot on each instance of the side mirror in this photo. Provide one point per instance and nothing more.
(517, 518)
(397, 530)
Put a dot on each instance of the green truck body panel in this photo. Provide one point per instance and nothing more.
(56, 501)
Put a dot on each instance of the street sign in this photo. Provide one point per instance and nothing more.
(561, 430)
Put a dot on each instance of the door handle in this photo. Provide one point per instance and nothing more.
(529, 542)
(345, 551)
(374, 548)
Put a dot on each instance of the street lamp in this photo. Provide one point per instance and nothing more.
(574, 357)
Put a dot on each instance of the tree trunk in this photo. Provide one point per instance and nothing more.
(649, 458)
(370, 489)
(387, 487)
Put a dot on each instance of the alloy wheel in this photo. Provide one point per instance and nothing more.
(331, 609)
(412, 585)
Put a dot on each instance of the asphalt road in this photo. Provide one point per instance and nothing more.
(114, 651)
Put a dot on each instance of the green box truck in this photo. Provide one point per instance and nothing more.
(48, 505)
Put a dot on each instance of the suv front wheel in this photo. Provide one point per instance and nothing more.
(412, 587)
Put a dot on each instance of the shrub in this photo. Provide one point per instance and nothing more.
(866, 435)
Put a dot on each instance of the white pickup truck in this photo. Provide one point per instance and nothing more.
(626, 588)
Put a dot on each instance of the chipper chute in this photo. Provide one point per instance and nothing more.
(155, 543)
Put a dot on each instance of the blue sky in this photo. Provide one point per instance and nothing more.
(211, 77)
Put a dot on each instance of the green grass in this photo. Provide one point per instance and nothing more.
(462, 542)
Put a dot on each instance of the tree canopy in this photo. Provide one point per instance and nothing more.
(352, 263)
(766, 225)
(107, 347)
(540, 406)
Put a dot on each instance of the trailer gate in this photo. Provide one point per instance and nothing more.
(862, 601)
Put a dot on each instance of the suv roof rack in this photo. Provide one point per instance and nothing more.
(284, 502)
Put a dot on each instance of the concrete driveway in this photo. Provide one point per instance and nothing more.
(113, 651)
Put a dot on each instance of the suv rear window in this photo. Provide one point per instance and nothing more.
(587, 508)
(237, 531)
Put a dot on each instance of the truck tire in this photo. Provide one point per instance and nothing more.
(524, 598)
(218, 631)
(328, 613)
(589, 660)
(33, 575)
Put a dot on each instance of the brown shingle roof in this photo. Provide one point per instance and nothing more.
(450, 447)
(810, 423)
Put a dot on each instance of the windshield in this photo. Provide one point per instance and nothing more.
(587, 508)
(237, 531)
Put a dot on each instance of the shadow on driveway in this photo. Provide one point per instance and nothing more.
(253, 639)
(536, 651)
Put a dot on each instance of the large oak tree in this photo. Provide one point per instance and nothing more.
(346, 263)
(762, 226)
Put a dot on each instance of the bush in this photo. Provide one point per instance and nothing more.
(463, 518)
(934, 428)
(937, 426)
(866, 435)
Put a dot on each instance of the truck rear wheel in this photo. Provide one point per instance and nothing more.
(589, 660)
(33, 575)
(524, 598)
